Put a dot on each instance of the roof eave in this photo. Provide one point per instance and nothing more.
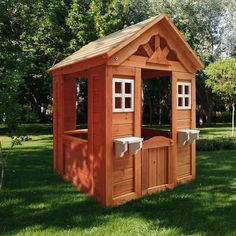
(65, 69)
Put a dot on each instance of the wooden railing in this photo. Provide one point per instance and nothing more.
(78, 133)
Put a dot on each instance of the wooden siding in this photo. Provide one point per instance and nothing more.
(77, 164)
(123, 168)
(184, 120)
(97, 136)
(123, 125)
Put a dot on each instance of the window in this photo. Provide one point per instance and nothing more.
(123, 95)
(183, 95)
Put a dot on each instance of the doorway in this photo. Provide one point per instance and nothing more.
(156, 130)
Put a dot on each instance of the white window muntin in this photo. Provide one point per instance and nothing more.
(183, 95)
(123, 95)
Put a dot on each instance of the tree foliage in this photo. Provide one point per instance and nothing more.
(222, 81)
(34, 35)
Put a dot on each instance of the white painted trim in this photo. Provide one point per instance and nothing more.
(183, 95)
(123, 95)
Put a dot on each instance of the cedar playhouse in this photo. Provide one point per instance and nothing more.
(115, 159)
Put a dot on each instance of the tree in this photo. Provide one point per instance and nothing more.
(198, 21)
(10, 63)
(222, 81)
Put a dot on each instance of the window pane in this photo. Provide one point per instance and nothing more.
(128, 88)
(118, 103)
(117, 87)
(186, 102)
(127, 102)
(186, 89)
(180, 89)
(180, 102)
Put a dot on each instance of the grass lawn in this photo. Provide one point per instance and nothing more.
(36, 202)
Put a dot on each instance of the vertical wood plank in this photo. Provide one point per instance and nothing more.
(90, 129)
(60, 123)
(193, 126)
(173, 127)
(137, 129)
(98, 75)
(169, 161)
(109, 141)
(152, 167)
(161, 166)
(145, 174)
(55, 123)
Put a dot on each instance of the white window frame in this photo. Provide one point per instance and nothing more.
(123, 95)
(183, 95)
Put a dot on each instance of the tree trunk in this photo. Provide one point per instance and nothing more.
(150, 111)
(2, 176)
(233, 114)
(208, 107)
(160, 112)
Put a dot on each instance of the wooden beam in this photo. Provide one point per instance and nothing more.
(174, 127)
(193, 57)
(147, 49)
(137, 35)
(123, 71)
(55, 122)
(109, 140)
(137, 130)
(157, 41)
(81, 74)
(178, 47)
(158, 58)
(80, 66)
(130, 49)
(141, 62)
(166, 50)
(193, 124)
(60, 124)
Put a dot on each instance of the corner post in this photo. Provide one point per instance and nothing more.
(174, 128)
(137, 129)
(109, 141)
(193, 125)
(58, 123)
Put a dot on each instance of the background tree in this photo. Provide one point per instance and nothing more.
(36, 35)
(222, 81)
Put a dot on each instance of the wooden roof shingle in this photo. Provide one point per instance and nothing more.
(112, 43)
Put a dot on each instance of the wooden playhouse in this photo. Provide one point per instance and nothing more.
(115, 159)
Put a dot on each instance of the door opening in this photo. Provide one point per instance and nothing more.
(156, 104)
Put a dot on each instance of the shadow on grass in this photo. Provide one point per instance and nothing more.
(33, 196)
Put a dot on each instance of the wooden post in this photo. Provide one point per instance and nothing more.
(173, 127)
(58, 122)
(193, 125)
(109, 141)
(137, 129)
(90, 129)
(55, 123)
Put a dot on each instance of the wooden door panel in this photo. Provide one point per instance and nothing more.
(155, 163)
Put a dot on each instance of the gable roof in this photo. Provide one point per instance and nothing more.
(114, 42)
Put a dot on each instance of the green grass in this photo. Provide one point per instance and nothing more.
(215, 131)
(206, 132)
(34, 201)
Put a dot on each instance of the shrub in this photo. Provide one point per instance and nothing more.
(220, 143)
